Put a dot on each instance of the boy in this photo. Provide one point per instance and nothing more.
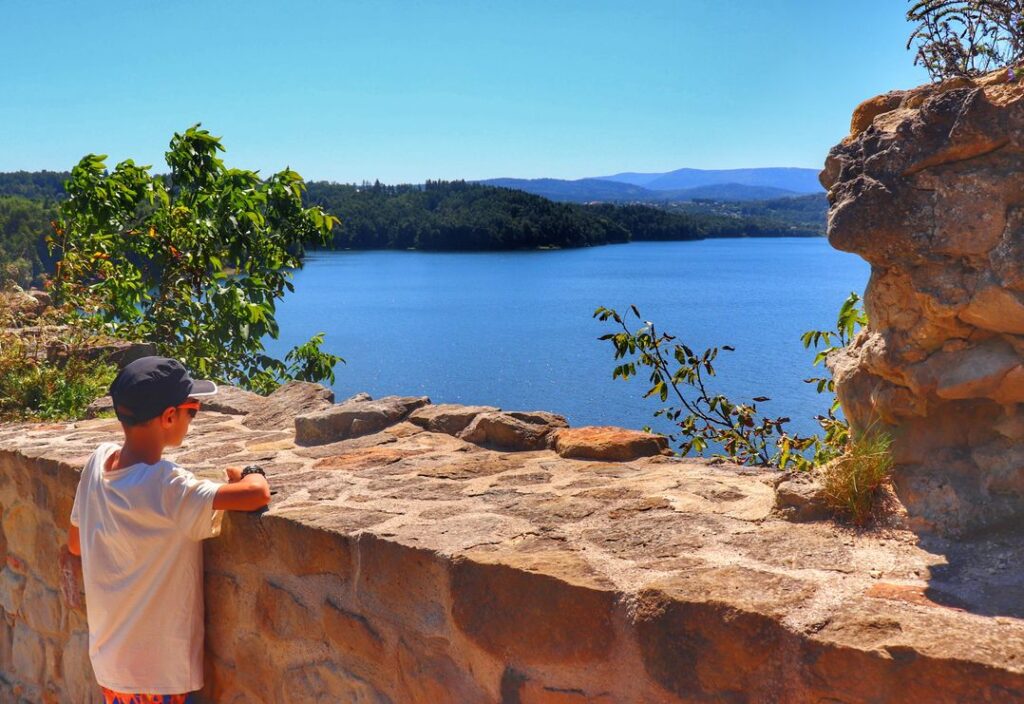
(137, 522)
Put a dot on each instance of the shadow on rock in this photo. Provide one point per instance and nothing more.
(983, 575)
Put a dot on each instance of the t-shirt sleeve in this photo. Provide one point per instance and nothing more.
(83, 480)
(188, 501)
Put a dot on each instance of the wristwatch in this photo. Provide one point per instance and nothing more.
(253, 469)
(256, 469)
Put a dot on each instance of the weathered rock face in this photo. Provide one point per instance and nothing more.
(929, 188)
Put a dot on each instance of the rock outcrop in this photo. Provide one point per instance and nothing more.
(929, 188)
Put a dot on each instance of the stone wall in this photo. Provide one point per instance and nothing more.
(412, 565)
(929, 188)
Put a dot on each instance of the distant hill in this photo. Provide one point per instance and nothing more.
(792, 179)
(590, 190)
(801, 213)
(581, 191)
(727, 191)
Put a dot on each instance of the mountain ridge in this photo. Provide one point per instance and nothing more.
(597, 190)
(790, 178)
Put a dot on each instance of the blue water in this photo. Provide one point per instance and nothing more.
(515, 330)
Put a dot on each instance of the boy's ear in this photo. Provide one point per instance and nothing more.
(167, 417)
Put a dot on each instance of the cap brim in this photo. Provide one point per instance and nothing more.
(202, 388)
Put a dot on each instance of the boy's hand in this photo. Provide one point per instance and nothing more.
(251, 493)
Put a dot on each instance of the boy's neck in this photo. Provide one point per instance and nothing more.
(134, 453)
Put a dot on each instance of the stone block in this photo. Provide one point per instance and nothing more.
(326, 682)
(28, 659)
(928, 194)
(282, 614)
(531, 618)
(353, 419)
(227, 606)
(6, 649)
(12, 589)
(705, 650)
(41, 608)
(48, 544)
(279, 409)
(104, 404)
(540, 418)
(20, 526)
(403, 586)
(501, 431)
(76, 670)
(448, 418)
(801, 498)
(353, 636)
(427, 674)
(233, 401)
(608, 444)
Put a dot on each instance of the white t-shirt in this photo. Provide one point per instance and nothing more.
(142, 563)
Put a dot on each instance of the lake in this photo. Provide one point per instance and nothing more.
(515, 329)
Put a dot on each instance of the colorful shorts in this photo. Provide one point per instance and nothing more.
(112, 697)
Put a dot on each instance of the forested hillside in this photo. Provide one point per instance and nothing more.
(456, 216)
(459, 215)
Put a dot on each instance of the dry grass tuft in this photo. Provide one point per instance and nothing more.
(853, 481)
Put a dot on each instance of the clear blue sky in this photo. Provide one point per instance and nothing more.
(404, 90)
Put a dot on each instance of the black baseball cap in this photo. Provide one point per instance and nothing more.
(149, 385)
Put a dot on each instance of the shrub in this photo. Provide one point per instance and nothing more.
(34, 388)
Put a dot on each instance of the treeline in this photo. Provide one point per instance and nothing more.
(46, 186)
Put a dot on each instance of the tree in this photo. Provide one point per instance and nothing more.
(23, 223)
(966, 37)
(194, 261)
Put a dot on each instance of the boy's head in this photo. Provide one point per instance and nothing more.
(157, 394)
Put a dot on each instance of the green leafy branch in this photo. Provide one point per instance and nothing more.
(703, 418)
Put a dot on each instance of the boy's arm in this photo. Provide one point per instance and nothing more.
(249, 493)
(74, 542)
